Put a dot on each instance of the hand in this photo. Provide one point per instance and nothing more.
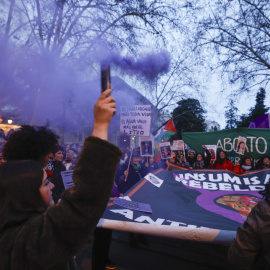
(104, 110)
(126, 173)
(146, 164)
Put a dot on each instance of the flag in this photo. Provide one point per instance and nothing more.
(162, 135)
(261, 122)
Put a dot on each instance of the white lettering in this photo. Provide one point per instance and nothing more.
(255, 188)
(251, 143)
(210, 186)
(191, 176)
(254, 180)
(175, 223)
(265, 145)
(233, 179)
(159, 221)
(125, 212)
(237, 188)
(267, 179)
(246, 181)
(201, 177)
(195, 184)
(228, 141)
(223, 186)
(219, 177)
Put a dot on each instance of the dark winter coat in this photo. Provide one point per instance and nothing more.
(251, 248)
(134, 176)
(38, 238)
(59, 188)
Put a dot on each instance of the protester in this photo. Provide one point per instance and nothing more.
(171, 160)
(263, 163)
(79, 149)
(244, 166)
(48, 238)
(202, 162)
(31, 143)
(151, 164)
(251, 247)
(191, 158)
(71, 159)
(183, 163)
(57, 168)
(131, 173)
(222, 162)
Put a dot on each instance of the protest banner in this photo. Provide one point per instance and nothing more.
(200, 205)
(257, 142)
(135, 120)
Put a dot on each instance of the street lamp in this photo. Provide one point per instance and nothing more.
(9, 121)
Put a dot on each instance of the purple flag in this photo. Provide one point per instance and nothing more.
(261, 122)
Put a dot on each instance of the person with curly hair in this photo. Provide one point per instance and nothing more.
(31, 143)
(35, 233)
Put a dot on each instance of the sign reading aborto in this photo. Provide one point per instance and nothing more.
(135, 120)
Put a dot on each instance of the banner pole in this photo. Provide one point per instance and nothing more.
(129, 163)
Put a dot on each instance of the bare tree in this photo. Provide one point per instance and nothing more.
(43, 37)
(239, 31)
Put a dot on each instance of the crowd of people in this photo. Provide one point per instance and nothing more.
(133, 167)
(30, 151)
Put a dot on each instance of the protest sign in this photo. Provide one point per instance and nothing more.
(241, 145)
(135, 120)
(213, 151)
(165, 149)
(67, 179)
(146, 146)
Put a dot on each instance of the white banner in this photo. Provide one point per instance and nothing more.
(135, 120)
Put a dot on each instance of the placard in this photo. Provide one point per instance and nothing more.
(241, 145)
(67, 179)
(135, 120)
(146, 146)
(165, 150)
(213, 151)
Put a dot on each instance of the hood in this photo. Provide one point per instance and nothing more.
(19, 192)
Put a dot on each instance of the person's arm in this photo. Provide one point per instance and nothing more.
(104, 110)
(244, 250)
(63, 230)
(208, 155)
(237, 169)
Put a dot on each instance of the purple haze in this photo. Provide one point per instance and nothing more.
(149, 65)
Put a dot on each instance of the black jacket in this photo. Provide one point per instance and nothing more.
(37, 238)
(251, 248)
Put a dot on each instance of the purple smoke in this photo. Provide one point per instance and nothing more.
(149, 66)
